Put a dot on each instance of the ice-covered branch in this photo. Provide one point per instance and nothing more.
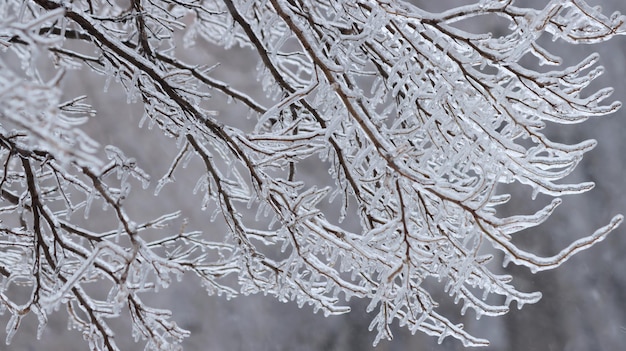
(416, 121)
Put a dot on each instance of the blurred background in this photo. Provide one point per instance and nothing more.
(584, 301)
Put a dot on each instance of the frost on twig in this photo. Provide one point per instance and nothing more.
(416, 120)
